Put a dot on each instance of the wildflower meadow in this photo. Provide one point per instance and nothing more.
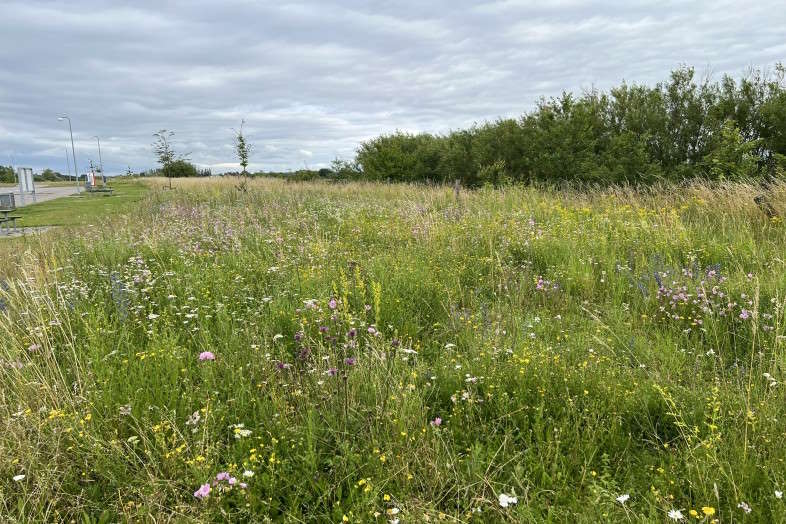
(361, 352)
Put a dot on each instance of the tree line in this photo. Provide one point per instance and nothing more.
(680, 128)
(8, 175)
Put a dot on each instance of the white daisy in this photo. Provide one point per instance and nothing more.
(507, 500)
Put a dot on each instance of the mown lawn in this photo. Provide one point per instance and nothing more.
(390, 353)
(84, 208)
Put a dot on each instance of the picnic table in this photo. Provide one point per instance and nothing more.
(8, 206)
(103, 189)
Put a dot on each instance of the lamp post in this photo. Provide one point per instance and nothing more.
(100, 162)
(73, 153)
(68, 164)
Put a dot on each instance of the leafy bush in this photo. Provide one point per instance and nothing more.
(733, 157)
(494, 174)
(180, 169)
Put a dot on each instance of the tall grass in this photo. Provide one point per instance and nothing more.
(391, 352)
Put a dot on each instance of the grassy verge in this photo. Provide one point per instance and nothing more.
(367, 353)
(84, 208)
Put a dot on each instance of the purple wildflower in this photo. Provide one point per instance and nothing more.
(206, 355)
(350, 361)
(332, 372)
(332, 304)
(745, 314)
(222, 476)
(352, 333)
(436, 422)
(203, 491)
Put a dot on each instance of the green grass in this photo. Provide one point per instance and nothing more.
(84, 208)
(576, 347)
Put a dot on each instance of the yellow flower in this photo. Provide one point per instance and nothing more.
(708, 510)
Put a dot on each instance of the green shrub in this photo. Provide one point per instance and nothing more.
(179, 169)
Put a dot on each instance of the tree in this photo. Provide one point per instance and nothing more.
(733, 158)
(345, 170)
(242, 149)
(47, 175)
(163, 148)
(166, 153)
(7, 175)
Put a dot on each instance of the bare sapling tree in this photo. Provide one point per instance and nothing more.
(170, 166)
(243, 150)
(164, 151)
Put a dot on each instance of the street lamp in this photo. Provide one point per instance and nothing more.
(68, 164)
(73, 153)
(100, 162)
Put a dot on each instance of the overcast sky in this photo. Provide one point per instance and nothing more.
(313, 79)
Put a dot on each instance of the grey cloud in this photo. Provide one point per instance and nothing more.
(319, 77)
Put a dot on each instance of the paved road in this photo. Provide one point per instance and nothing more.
(42, 194)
